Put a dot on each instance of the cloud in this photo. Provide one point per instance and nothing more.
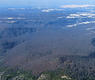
(76, 6)
(74, 25)
(81, 15)
(49, 10)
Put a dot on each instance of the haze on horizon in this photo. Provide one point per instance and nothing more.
(43, 3)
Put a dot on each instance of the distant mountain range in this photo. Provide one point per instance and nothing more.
(53, 44)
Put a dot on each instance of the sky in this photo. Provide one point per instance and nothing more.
(43, 3)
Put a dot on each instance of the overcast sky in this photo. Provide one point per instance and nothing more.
(43, 3)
